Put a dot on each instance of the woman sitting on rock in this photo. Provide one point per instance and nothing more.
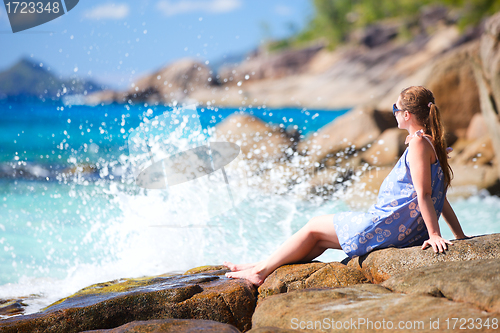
(409, 204)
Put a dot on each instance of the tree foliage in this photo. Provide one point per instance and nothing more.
(335, 19)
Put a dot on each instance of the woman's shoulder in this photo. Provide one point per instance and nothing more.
(422, 146)
(420, 142)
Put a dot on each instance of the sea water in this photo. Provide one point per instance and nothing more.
(61, 231)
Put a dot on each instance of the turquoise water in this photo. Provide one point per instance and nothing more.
(60, 234)
(51, 133)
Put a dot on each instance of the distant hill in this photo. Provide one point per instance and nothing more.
(27, 80)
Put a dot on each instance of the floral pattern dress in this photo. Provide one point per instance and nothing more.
(395, 220)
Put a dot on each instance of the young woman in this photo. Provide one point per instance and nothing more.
(409, 204)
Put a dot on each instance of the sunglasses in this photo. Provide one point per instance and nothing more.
(395, 109)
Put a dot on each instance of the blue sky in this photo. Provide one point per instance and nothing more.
(114, 42)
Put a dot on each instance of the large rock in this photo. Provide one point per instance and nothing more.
(355, 130)
(174, 82)
(490, 54)
(258, 141)
(470, 179)
(387, 149)
(474, 152)
(312, 275)
(322, 60)
(449, 75)
(104, 97)
(263, 65)
(474, 166)
(473, 281)
(487, 73)
(378, 34)
(477, 127)
(444, 39)
(172, 326)
(109, 305)
(358, 77)
(454, 86)
(353, 308)
(381, 265)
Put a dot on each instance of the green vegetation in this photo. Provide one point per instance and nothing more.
(334, 20)
(473, 11)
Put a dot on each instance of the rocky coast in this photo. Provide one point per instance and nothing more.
(416, 288)
(461, 68)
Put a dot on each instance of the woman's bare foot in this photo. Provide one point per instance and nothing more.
(237, 268)
(256, 278)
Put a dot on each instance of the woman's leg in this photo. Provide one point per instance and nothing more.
(315, 252)
(317, 235)
(240, 267)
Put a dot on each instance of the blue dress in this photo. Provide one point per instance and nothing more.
(395, 220)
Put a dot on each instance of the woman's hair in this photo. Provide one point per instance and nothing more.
(419, 101)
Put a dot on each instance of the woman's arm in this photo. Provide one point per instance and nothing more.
(452, 220)
(419, 157)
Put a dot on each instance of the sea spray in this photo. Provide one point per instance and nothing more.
(135, 241)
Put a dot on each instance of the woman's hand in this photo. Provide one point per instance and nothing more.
(437, 243)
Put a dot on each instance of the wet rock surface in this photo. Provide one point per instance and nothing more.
(111, 304)
(10, 307)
